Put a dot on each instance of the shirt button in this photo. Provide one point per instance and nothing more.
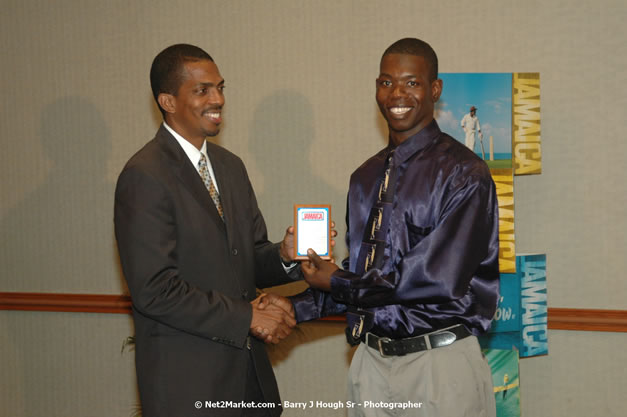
(245, 294)
(234, 252)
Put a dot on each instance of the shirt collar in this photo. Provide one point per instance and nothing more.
(416, 142)
(190, 150)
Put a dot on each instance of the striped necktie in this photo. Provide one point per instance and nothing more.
(203, 169)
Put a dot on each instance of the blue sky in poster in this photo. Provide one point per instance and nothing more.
(491, 94)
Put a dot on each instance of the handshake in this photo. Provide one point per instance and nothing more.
(273, 318)
(273, 315)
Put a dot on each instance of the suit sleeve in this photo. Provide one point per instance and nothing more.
(146, 233)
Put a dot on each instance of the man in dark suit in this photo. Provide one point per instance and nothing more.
(194, 248)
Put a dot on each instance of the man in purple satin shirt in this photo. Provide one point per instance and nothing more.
(421, 280)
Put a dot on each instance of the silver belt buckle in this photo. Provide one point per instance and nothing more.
(379, 341)
(446, 338)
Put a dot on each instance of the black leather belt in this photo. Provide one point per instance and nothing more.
(399, 347)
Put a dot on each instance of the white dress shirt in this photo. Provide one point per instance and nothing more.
(193, 153)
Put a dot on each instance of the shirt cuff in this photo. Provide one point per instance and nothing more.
(341, 290)
(305, 307)
(289, 266)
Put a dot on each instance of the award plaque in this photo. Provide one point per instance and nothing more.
(312, 229)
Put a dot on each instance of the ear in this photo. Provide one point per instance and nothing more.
(436, 90)
(167, 102)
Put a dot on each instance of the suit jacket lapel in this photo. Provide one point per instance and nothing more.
(187, 173)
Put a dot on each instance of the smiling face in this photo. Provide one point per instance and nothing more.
(195, 112)
(405, 94)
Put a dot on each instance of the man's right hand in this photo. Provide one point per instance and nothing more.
(273, 318)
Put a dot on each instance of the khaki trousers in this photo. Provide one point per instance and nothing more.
(450, 381)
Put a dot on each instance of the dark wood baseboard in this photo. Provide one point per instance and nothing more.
(588, 319)
(77, 303)
(595, 320)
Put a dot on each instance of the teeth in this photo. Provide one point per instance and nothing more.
(213, 115)
(400, 110)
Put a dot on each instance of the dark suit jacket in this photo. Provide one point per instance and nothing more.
(191, 277)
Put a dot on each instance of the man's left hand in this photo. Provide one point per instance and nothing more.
(287, 246)
(317, 271)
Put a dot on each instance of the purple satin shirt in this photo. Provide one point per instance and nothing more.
(440, 265)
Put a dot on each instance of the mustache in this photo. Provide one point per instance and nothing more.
(212, 109)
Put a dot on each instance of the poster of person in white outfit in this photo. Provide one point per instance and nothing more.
(471, 126)
(464, 97)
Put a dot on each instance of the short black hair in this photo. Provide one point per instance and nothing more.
(416, 47)
(166, 72)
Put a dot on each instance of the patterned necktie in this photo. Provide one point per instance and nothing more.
(373, 242)
(372, 249)
(203, 169)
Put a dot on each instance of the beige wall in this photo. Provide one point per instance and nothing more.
(300, 112)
